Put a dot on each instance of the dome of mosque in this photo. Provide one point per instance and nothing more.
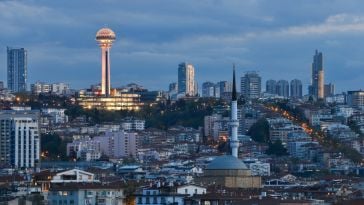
(226, 162)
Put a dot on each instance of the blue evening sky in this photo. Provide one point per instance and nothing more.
(278, 38)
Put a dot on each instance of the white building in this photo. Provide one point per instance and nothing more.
(85, 149)
(260, 169)
(19, 139)
(60, 88)
(74, 176)
(58, 114)
(54, 88)
(191, 189)
(40, 87)
(118, 144)
(133, 124)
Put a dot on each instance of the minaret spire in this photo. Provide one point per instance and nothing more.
(233, 97)
(234, 123)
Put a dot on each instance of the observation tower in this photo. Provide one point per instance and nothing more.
(105, 37)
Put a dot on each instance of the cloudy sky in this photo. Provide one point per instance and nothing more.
(277, 38)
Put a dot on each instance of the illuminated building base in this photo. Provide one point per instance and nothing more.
(124, 101)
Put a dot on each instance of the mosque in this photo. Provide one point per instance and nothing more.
(229, 170)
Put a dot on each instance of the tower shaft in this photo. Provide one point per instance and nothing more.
(105, 70)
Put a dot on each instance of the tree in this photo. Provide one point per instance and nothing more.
(277, 149)
(259, 131)
(53, 146)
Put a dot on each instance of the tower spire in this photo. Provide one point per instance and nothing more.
(234, 123)
(233, 96)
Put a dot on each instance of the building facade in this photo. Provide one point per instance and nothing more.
(271, 87)
(296, 88)
(316, 88)
(208, 89)
(283, 88)
(329, 90)
(186, 79)
(17, 69)
(250, 85)
(356, 99)
(118, 144)
(19, 138)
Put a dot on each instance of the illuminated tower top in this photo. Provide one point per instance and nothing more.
(105, 37)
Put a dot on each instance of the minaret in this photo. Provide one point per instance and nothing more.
(234, 143)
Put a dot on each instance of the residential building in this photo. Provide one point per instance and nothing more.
(173, 87)
(19, 139)
(222, 88)
(283, 88)
(17, 69)
(118, 144)
(356, 99)
(208, 89)
(271, 87)
(84, 149)
(186, 79)
(158, 196)
(133, 124)
(250, 85)
(329, 90)
(296, 89)
(57, 114)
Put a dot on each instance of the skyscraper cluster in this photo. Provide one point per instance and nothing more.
(284, 89)
(217, 90)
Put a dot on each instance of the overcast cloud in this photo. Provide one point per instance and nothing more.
(277, 38)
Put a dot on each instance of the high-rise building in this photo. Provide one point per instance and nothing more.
(329, 90)
(17, 69)
(1, 85)
(173, 87)
(317, 81)
(19, 138)
(283, 88)
(250, 85)
(208, 89)
(296, 88)
(271, 87)
(356, 99)
(186, 79)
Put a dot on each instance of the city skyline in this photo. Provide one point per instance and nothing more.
(214, 35)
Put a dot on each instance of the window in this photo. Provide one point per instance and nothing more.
(147, 200)
(140, 200)
(154, 200)
(186, 191)
(195, 191)
(72, 201)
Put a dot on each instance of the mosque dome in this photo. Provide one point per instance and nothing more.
(226, 162)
